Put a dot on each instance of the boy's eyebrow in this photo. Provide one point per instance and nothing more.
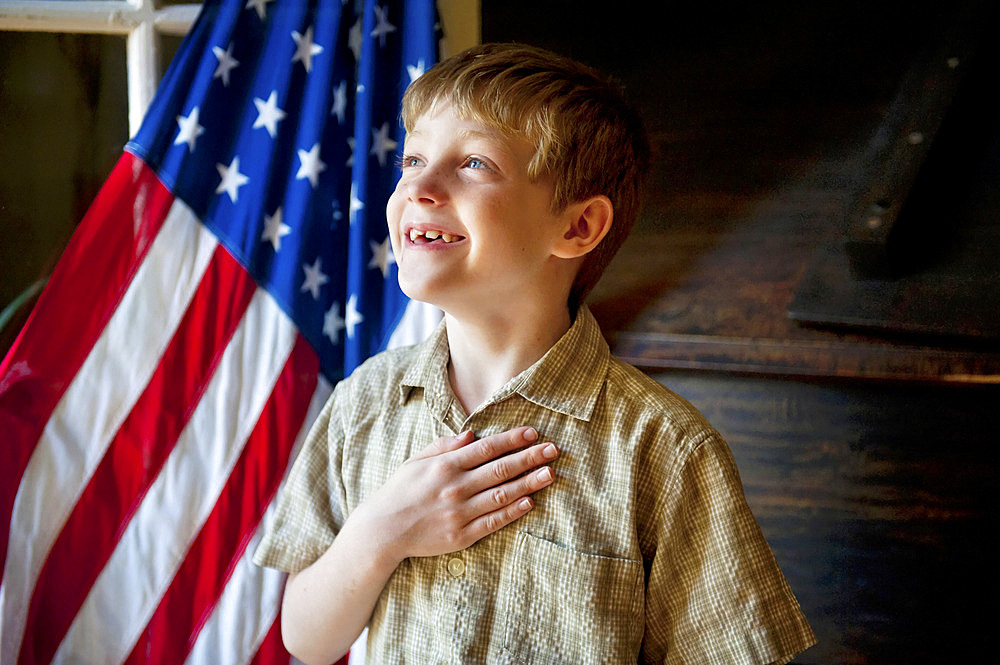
(469, 132)
(498, 139)
(492, 135)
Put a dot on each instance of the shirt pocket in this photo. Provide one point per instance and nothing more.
(566, 606)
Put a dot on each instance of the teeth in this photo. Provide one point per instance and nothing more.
(432, 235)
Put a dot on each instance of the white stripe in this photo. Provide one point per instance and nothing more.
(245, 612)
(359, 650)
(94, 406)
(142, 566)
(417, 322)
(249, 603)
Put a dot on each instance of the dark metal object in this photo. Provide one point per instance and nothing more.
(921, 244)
(900, 147)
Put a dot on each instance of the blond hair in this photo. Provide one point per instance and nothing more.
(588, 138)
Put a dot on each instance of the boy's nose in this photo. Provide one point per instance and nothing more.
(427, 187)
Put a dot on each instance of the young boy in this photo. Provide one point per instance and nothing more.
(507, 492)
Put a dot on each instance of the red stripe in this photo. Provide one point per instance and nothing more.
(195, 589)
(272, 649)
(135, 456)
(86, 286)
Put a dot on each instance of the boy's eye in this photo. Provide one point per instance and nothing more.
(408, 160)
(476, 163)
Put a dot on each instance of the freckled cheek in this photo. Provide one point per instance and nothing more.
(394, 210)
(393, 216)
(392, 205)
(394, 243)
(506, 220)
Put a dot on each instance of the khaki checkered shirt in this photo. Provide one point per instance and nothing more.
(642, 550)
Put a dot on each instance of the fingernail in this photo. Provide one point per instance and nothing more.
(530, 434)
(545, 474)
(550, 451)
(525, 504)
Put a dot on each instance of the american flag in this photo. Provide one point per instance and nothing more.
(234, 265)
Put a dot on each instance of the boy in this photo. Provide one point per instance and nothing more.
(568, 508)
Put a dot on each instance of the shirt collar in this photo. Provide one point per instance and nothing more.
(429, 372)
(567, 379)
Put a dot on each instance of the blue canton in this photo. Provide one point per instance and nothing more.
(278, 124)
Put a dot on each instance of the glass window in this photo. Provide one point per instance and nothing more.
(64, 119)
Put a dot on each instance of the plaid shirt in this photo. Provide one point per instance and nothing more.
(642, 550)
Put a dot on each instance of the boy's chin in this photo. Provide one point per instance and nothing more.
(419, 292)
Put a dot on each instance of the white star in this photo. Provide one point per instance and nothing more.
(305, 49)
(354, 40)
(339, 101)
(352, 316)
(227, 63)
(268, 114)
(417, 70)
(274, 229)
(310, 166)
(356, 204)
(382, 145)
(332, 323)
(315, 278)
(232, 179)
(260, 6)
(382, 256)
(190, 130)
(383, 27)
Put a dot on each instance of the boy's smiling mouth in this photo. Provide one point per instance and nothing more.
(418, 237)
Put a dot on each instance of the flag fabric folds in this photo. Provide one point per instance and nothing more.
(233, 267)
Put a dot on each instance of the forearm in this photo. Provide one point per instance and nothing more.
(327, 605)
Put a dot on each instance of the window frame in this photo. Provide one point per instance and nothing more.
(141, 22)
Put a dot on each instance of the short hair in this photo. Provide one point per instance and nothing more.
(588, 137)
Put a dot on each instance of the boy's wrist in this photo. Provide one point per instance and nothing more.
(368, 535)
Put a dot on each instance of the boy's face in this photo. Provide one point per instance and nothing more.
(467, 226)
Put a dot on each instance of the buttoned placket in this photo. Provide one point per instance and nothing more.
(453, 626)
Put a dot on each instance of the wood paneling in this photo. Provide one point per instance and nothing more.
(870, 460)
(879, 503)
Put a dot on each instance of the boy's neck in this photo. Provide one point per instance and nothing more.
(488, 352)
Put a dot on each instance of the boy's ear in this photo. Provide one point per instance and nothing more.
(587, 222)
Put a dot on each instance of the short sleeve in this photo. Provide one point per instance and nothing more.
(714, 592)
(310, 505)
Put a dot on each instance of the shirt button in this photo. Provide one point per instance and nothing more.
(456, 567)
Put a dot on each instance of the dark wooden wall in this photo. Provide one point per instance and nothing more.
(870, 458)
(879, 502)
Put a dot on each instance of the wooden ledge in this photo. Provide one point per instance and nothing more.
(654, 352)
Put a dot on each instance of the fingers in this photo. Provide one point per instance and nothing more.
(511, 466)
(495, 445)
(499, 497)
(446, 444)
(465, 489)
(487, 524)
